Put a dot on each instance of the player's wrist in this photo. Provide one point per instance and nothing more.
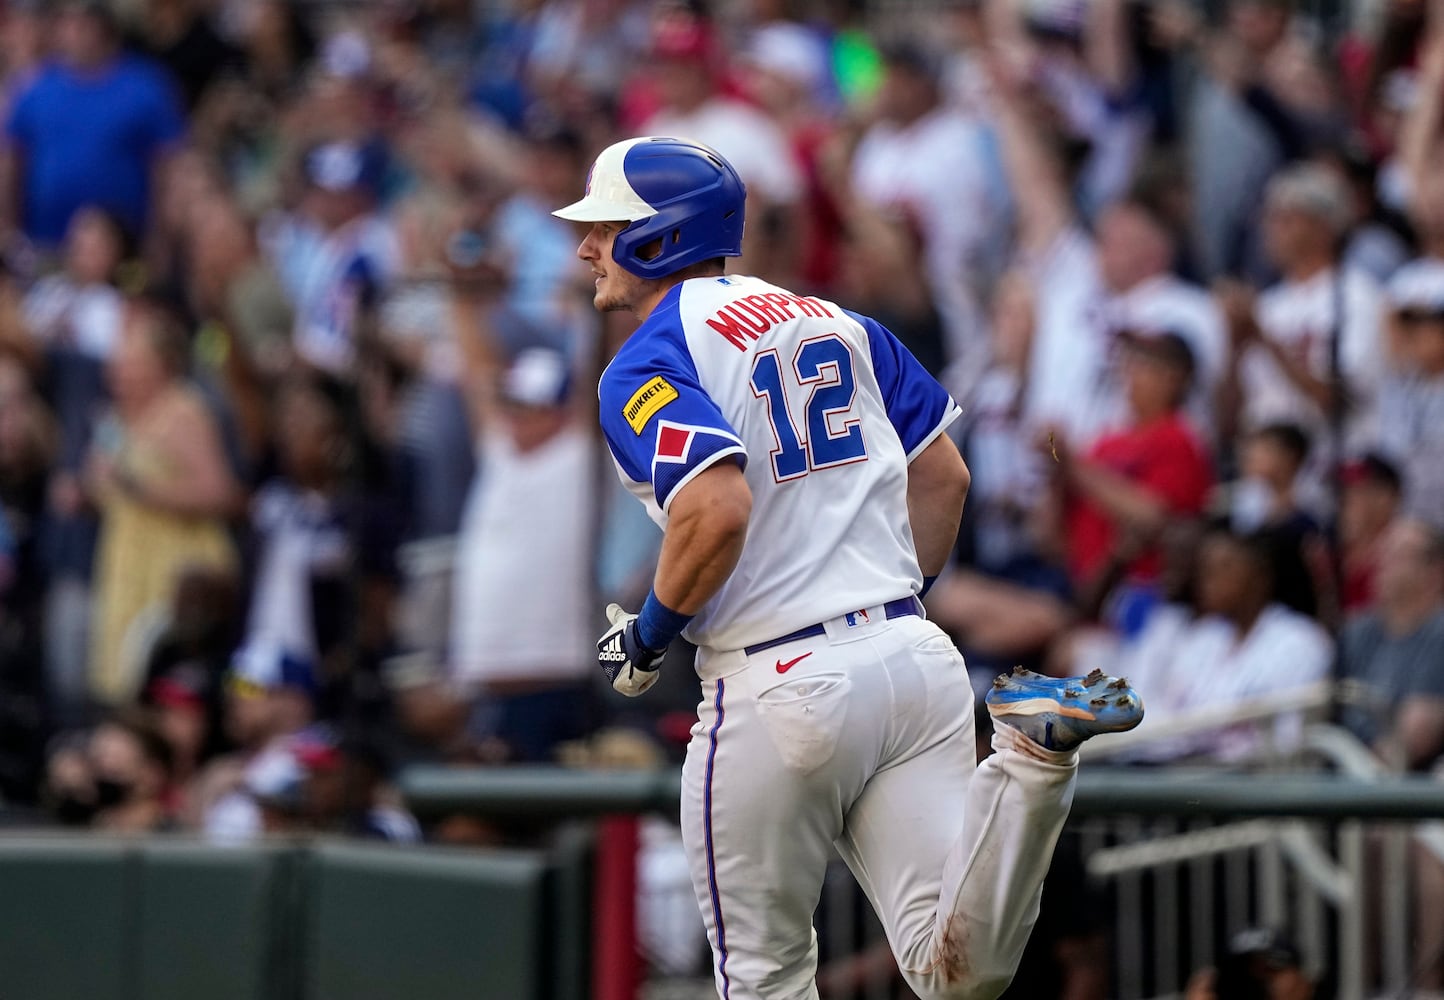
(657, 624)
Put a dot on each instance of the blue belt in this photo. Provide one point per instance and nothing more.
(900, 608)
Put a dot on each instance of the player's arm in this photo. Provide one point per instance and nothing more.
(663, 429)
(938, 481)
(706, 529)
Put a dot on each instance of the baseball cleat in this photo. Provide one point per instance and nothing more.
(1060, 713)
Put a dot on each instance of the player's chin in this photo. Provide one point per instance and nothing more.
(603, 302)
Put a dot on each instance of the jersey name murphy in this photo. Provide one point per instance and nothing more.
(749, 317)
(821, 408)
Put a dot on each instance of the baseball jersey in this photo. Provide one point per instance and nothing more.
(822, 408)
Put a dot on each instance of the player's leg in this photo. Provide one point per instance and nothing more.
(953, 856)
(759, 816)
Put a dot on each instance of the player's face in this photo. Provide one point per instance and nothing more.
(617, 289)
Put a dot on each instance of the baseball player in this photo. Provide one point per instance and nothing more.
(794, 454)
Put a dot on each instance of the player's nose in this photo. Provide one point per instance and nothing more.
(587, 249)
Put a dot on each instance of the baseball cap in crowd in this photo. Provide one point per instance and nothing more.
(275, 778)
(1315, 190)
(259, 667)
(1168, 346)
(317, 748)
(1255, 958)
(684, 37)
(538, 376)
(345, 166)
(1375, 469)
(185, 685)
(791, 52)
(1416, 292)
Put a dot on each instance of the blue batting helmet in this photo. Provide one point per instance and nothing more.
(677, 191)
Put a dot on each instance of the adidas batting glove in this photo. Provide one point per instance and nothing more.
(630, 666)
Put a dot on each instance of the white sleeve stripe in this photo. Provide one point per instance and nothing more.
(953, 413)
(702, 466)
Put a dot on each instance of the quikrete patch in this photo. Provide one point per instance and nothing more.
(646, 401)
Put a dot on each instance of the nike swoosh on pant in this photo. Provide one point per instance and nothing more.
(782, 668)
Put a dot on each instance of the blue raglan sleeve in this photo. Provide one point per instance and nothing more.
(660, 424)
(917, 406)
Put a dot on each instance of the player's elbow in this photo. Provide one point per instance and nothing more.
(940, 474)
(730, 513)
(717, 506)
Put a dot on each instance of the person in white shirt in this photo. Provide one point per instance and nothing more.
(521, 639)
(1092, 287)
(1244, 645)
(1311, 343)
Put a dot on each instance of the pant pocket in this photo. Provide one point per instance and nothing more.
(804, 718)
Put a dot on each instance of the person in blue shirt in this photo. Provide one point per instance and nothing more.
(94, 127)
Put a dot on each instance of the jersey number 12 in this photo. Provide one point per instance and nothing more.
(822, 365)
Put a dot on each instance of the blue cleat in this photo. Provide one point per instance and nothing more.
(1060, 713)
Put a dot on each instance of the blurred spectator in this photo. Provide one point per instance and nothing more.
(1090, 288)
(298, 521)
(1411, 401)
(1261, 964)
(23, 51)
(1265, 496)
(580, 51)
(1119, 493)
(1244, 646)
(788, 75)
(539, 248)
(131, 764)
(344, 788)
(999, 526)
(531, 505)
(269, 698)
(74, 318)
(1309, 352)
(181, 701)
(881, 273)
(336, 254)
(95, 127)
(179, 35)
(1371, 500)
(686, 67)
(934, 169)
(1241, 131)
(1270, 460)
(27, 444)
(1394, 655)
(157, 472)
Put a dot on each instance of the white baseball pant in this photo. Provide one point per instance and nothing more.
(862, 739)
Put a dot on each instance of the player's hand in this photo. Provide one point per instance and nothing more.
(630, 666)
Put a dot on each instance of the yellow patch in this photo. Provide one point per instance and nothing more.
(646, 401)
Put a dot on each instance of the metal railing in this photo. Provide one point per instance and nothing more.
(1188, 856)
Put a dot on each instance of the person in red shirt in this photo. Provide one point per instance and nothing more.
(1116, 498)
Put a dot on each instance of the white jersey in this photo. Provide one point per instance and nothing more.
(822, 408)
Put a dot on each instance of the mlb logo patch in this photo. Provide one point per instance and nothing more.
(856, 618)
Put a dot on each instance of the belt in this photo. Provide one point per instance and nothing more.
(900, 608)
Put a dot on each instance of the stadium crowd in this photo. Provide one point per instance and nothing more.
(299, 476)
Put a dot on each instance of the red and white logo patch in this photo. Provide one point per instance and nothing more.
(674, 442)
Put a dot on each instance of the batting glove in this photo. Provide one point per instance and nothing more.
(630, 666)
